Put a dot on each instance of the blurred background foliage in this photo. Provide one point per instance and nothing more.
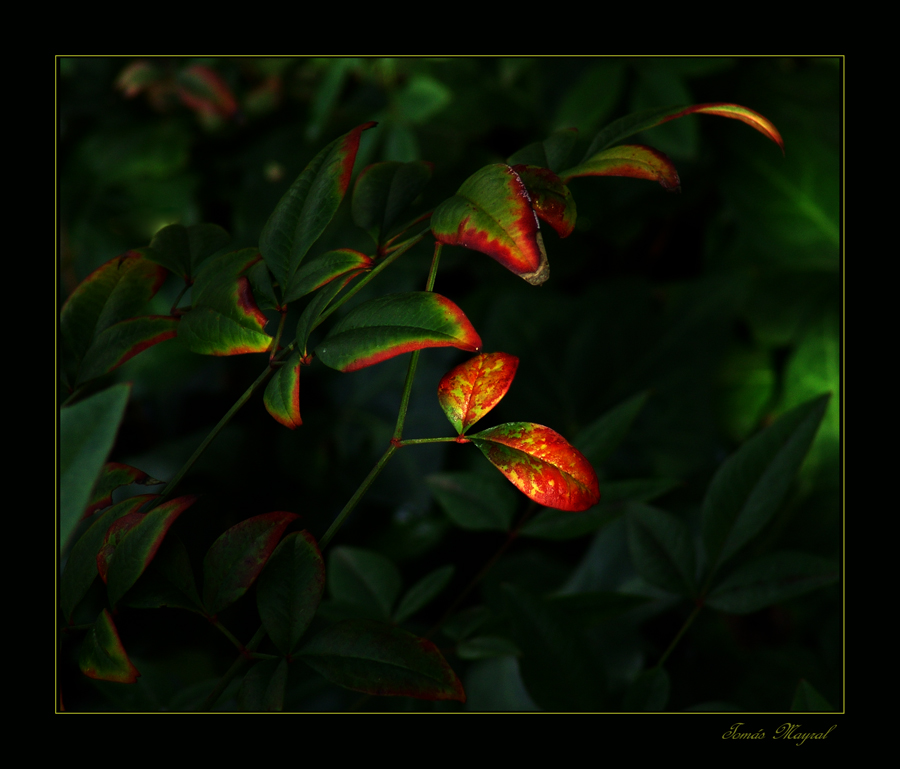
(724, 303)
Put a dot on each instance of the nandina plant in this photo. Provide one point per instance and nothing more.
(498, 211)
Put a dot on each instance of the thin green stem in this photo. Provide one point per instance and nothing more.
(416, 441)
(432, 274)
(175, 310)
(354, 500)
(687, 623)
(228, 634)
(232, 672)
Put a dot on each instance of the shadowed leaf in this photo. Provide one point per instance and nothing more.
(102, 655)
(114, 476)
(382, 191)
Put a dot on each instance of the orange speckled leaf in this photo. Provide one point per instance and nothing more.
(542, 464)
(633, 160)
(473, 388)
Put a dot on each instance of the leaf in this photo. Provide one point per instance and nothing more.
(487, 647)
(224, 318)
(81, 565)
(122, 341)
(771, 579)
(182, 249)
(168, 581)
(332, 264)
(114, 535)
(550, 198)
(203, 90)
(492, 213)
(309, 318)
(396, 324)
(469, 391)
(87, 430)
(282, 395)
(138, 547)
(641, 121)
(748, 488)
(423, 592)
(290, 589)
(541, 464)
(379, 659)
(102, 655)
(262, 689)
(113, 476)
(383, 190)
(113, 292)
(236, 558)
(364, 579)
(550, 153)
(662, 550)
(304, 212)
(602, 436)
(473, 501)
(807, 698)
(634, 160)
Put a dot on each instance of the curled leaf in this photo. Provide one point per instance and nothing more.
(633, 160)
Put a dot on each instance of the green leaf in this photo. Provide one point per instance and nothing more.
(224, 318)
(113, 476)
(473, 501)
(81, 566)
(487, 647)
(182, 249)
(290, 590)
(807, 698)
(749, 486)
(469, 391)
(114, 292)
(492, 213)
(138, 547)
(282, 395)
(364, 579)
(304, 212)
(102, 655)
(87, 431)
(550, 198)
(649, 692)
(542, 464)
(551, 153)
(423, 592)
(237, 557)
(662, 550)
(332, 264)
(602, 437)
(641, 121)
(384, 190)
(379, 659)
(634, 160)
(771, 579)
(309, 318)
(122, 341)
(262, 689)
(396, 324)
(168, 581)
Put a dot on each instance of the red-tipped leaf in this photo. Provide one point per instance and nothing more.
(396, 324)
(633, 160)
(542, 464)
(102, 655)
(492, 213)
(550, 198)
(472, 389)
(282, 396)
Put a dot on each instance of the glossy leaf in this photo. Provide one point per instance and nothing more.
(492, 213)
(379, 659)
(102, 655)
(114, 292)
(748, 488)
(641, 121)
(423, 592)
(282, 395)
(634, 160)
(304, 212)
(182, 249)
(771, 579)
(113, 476)
(541, 464)
(87, 430)
(472, 389)
(384, 190)
(81, 565)
(550, 198)
(236, 558)
(224, 318)
(662, 550)
(122, 341)
(290, 589)
(332, 264)
(396, 324)
(138, 547)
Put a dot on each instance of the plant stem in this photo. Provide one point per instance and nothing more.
(236, 667)
(354, 500)
(416, 441)
(681, 632)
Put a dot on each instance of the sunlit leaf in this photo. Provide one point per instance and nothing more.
(396, 324)
(282, 395)
(380, 659)
(472, 389)
(634, 160)
(307, 207)
(541, 464)
(236, 558)
(492, 213)
(290, 589)
(102, 655)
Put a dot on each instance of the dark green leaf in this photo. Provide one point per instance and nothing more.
(102, 655)
(661, 549)
(423, 592)
(600, 439)
(384, 190)
(648, 692)
(364, 579)
(474, 501)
